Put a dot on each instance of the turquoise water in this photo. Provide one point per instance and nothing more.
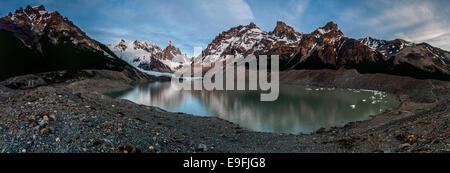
(297, 110)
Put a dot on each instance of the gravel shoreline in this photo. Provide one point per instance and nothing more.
(75, 117)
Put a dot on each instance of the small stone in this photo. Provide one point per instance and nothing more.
(57, 139)
(24, 151)
(411, 139)
(321, 130)
(97, 142)
(202, 147)
(404, 145)
(51, 129)
(435, 141)
(43, 123)
(53, 117)
(128, 149)
(44, 131)
(83, 150)
(27, 145)
(32, 118)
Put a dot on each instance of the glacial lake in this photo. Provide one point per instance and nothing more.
(297, 110)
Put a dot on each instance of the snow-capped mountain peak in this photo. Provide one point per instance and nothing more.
(237, 39)
(248, 39)
(330, 26)
(374, 44)
(150, 57)
(330, 33)
(171, 52)
(385, 47)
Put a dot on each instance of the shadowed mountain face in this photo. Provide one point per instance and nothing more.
(328, 48)
(33, 40)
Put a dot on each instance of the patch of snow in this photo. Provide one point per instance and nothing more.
(322, 31)
(315, 44)
(42, 12)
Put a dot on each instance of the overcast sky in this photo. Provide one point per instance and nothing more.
(190, 23)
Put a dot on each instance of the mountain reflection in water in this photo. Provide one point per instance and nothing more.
(297, 110)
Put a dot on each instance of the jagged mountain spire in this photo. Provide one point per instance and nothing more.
(283, 30)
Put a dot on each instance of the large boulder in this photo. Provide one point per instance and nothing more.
(24, 82)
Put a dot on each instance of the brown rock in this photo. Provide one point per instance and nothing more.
(32, 118)
(97, 142)
(44, 131)
(53, 116)
(128, 149)
(411, 139)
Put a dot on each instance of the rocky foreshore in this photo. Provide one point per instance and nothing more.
(74, 116)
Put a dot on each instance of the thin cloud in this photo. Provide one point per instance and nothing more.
(413, 20)
(197, 22)
(403, 16)
(302, 6)
(434, 33)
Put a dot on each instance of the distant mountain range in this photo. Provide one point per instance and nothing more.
(33, 40)
(328, 48)
(150, 57)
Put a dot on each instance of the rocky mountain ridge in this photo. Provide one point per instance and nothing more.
(328, 48)
(33, 40)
